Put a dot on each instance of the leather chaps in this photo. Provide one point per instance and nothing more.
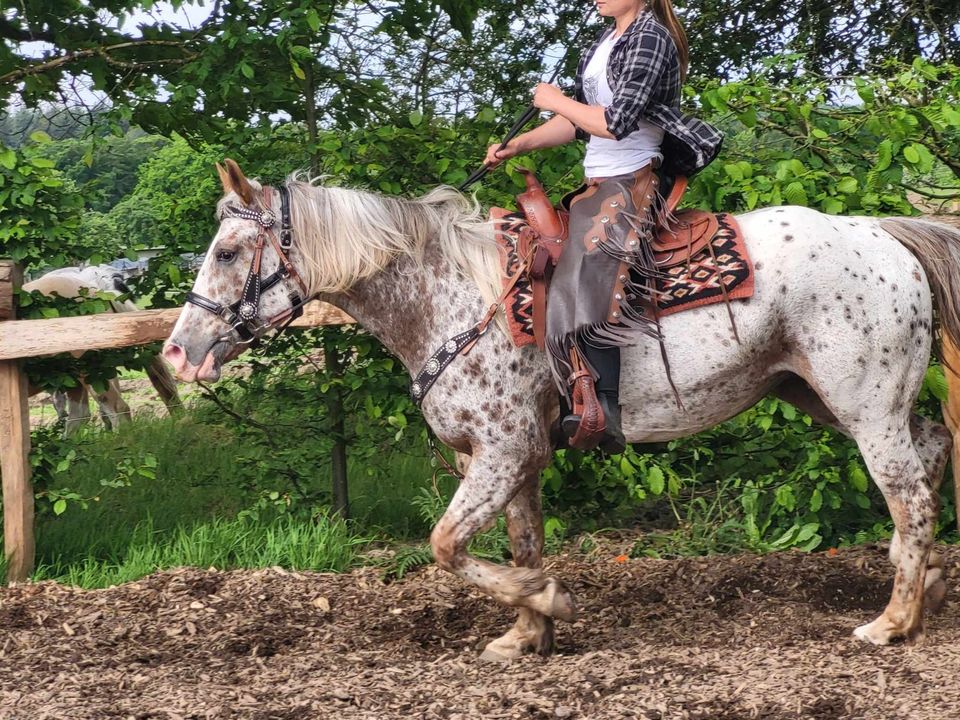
(606, 269)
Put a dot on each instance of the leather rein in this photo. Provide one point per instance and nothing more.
(243, 316)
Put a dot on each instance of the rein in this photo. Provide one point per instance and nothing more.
(460, 344)
(243, 316)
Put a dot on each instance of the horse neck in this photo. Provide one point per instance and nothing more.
(414, 308)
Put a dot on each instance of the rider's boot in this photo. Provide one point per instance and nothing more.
(595, 420)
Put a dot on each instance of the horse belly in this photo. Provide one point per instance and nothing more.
(717, 373)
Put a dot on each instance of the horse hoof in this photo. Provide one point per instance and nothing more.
(934, 596)
(882, 632)
(562, 605)
(500, 653)
(874, 633)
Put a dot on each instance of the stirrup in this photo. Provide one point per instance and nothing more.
(586, 411)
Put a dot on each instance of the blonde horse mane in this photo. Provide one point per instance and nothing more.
(348, 235)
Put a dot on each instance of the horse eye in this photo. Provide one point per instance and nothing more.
(225, 256)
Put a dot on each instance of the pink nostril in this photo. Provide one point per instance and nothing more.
(174, 355)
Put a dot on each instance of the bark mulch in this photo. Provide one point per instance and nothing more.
(717, 638)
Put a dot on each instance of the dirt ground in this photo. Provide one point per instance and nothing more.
(718, 638)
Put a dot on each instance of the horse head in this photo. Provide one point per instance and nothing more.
(234, 300)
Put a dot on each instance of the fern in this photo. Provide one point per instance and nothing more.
(407, 558)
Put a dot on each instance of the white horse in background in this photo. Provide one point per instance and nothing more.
(74, 404)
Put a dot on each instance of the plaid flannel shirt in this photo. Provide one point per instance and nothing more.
(644, 74)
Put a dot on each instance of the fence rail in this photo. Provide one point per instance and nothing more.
(20, 339)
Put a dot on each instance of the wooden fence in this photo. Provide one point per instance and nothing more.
(21, 339)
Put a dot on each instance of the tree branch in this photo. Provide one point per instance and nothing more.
(53, 64)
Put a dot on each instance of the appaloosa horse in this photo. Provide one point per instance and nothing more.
(840, 324)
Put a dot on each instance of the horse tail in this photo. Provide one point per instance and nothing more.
(937, 248)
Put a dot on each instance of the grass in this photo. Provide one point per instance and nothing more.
(320, 544)
(191, 512)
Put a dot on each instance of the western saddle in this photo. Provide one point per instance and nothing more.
(680, 236)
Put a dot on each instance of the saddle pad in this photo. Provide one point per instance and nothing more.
(683, 287)
(518, 305)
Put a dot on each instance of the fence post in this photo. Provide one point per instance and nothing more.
(18, 543)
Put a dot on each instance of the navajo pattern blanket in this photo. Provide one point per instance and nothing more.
(682, 287)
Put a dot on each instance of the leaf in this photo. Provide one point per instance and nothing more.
(313, 19)
(795, 194)
(816, 500)
(858, 478)
(911, 154)
(415, 117)
(246, 70)
(832, 206)
(297, 70)
(734, 171)
(8, 158)
(59, 506)
(655, 480)
(936, 383)
(847, 185)
(806, 532)
(884, 155)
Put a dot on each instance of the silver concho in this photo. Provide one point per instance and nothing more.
(267, 218)
(247, 310)
(416, 389)
(451, 346)
(432, 367)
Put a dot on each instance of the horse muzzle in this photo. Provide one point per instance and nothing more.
(209, 368)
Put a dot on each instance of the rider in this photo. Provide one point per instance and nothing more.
(626, 102)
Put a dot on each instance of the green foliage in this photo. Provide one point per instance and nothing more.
(765, 480)
(405, 559)
(856, 157)
(40, 209)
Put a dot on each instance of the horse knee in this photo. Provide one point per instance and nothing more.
(445, 547)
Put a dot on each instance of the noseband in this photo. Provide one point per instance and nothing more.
(243, 316)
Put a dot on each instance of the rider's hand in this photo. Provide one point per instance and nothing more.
(494, 158)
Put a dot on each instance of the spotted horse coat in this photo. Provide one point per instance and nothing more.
(840, 324)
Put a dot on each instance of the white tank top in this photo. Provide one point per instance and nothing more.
(607, 156)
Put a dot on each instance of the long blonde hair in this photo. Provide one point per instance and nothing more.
(663, 9)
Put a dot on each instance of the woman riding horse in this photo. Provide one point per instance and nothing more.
(626, 101)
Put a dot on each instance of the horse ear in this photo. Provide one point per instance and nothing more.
(238, 181)
(224, 177)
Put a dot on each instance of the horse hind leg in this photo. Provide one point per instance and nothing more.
(898, 470)
(533, 631)
(932, 442)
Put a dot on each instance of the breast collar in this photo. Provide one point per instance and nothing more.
(243, 316)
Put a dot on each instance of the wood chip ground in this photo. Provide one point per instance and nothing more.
(717, 638)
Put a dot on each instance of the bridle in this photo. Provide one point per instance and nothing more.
(243, 316)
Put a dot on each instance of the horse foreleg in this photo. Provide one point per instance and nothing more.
(533, 631)
(491, 482)
(78, 409)
(898, 470)
(112, 405)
